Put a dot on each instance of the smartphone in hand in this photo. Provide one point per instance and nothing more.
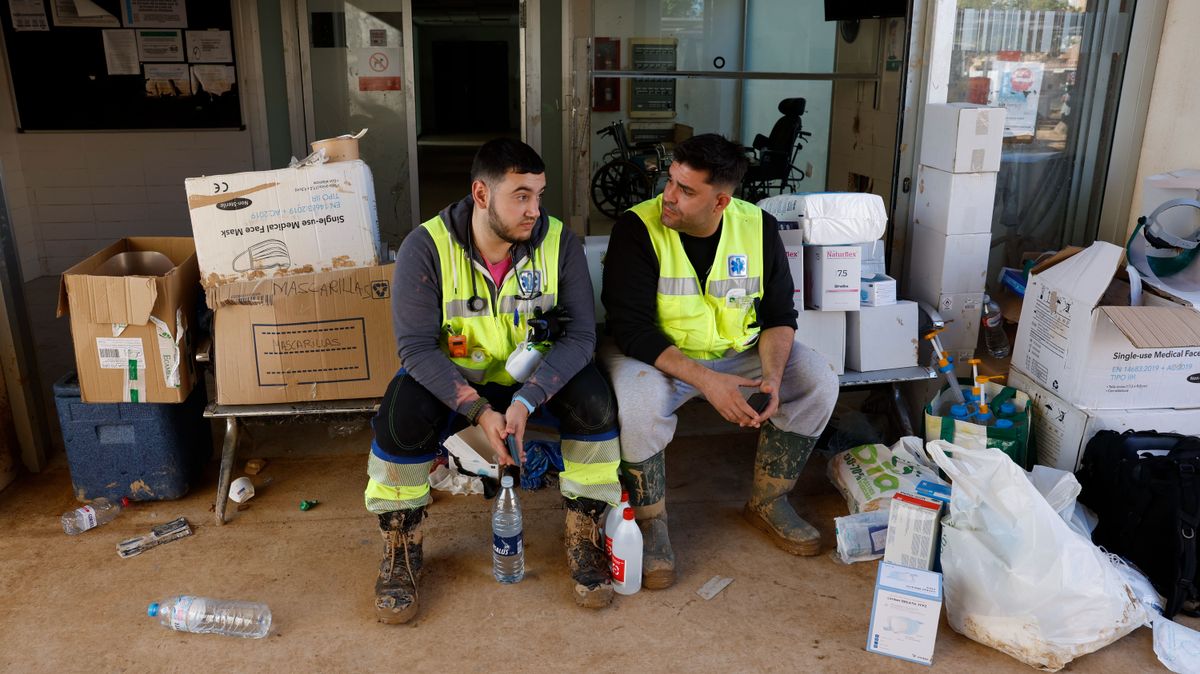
(511, 443)
(759, 402)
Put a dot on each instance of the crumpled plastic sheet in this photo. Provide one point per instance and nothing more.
(542, 459)
(447, 478)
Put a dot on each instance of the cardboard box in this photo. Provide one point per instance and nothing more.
(962, 313)
(1100, 356)
(913, 531)
(954, 203)
(1061, 430)
(793, 245)
(944, 264)
(131, 333)
(882, 338)
(305, 337)
(831, 277)
(962, 137)
(290, 221)
(825, 333)
(905, 613)
(877, 291)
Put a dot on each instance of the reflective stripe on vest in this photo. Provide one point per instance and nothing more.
(491, 334)
(707, 325)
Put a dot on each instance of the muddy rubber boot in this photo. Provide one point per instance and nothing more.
(646, 483)
(396, 587)
(585, 553)
(777, 465)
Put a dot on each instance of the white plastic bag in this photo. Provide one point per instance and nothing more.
(1060, 488)
(868, 475)
(831, 218)
(1017, 578)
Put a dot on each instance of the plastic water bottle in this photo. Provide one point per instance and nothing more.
(508, 545)
(993, 329)
(627, 555)
(612, 520)
(99, 511)
(213, 616)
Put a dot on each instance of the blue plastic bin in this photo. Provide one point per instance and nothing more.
(146, 451)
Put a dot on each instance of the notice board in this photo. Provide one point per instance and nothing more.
(122, 64)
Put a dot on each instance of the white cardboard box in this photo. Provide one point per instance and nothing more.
(962, 137)
(1098, 356)
(1061, 430)
(873, 258)
(944, 264)
(882, 338)
(954, 203)
(962, 313)
(913, 531)
(793, 245)
(905, 613)
(291, 221)
(831, 276)
(877, 291)
(825, 333)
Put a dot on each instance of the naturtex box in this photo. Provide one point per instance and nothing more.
(290, 221)
(1096, 355)
(305, 337)
(131, 331)
(1061, 430)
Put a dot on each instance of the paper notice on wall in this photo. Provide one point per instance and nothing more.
(121, 52)
(28, 15)
(160, 45)
(377, 68)
(164, 80)
(1020, 88)
(158, 13)
(215, 80)
(209, 46)
(82, 13)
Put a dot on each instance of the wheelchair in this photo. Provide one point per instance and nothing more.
(773, 158)
(630, 173)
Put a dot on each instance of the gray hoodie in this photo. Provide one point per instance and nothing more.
(417, 311)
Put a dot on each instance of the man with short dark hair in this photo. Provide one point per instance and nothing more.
(699, 301)
(489, 277)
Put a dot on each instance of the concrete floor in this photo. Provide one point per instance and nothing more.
(71, 604)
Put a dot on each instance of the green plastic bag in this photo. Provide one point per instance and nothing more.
(1012, 441)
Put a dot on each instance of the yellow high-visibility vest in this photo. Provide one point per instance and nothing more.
(492, 333)
(707, 325)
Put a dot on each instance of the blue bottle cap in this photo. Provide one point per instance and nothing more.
(1008, 409)
(152, 610)
(959, 410)
(983, 417)
(1004, 423)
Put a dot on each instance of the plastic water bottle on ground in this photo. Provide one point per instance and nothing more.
(612, 520)
(627, 555)
(201, 615)
(99, 511)
(993, 329)
(508, 545)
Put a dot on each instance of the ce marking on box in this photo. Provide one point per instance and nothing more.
(220, 188)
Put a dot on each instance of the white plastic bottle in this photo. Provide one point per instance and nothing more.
(612, 519)
(508, 544)
(201, 615)
(99, 511)
(627, 555)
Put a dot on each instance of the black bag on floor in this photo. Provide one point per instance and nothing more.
(1145, 488)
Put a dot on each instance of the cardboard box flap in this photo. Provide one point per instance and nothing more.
(1085, 276)
(1156, 327)
(112, 299)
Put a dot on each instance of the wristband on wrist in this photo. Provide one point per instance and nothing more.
(528, 405)
(477, 408)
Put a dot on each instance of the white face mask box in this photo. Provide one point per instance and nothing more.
(905, 613)
(825, 333)
(831, 277)
(265, 224)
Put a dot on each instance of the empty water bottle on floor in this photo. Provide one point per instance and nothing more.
(627, 555)
(612, 519)
(201, 615)
(99, 511)
(993, 329)
(508, 545)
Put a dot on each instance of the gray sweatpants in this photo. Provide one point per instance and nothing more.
(647, 398)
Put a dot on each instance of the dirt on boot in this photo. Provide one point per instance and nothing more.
(658, 559)
(585, 553)
(778, 462)
(396, 586)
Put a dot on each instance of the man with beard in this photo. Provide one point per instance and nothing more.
(469, 285)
